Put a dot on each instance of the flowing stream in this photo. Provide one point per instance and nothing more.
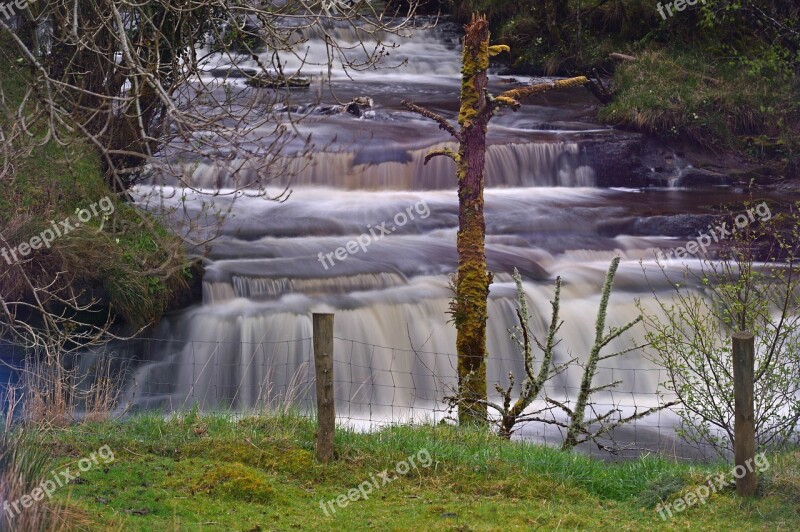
(276, 263)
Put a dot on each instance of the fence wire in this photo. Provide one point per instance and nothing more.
(374, 386)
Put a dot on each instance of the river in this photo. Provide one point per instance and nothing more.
(557, 204)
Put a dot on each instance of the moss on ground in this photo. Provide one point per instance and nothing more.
(223, 472)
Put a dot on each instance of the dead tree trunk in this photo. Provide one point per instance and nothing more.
(473, 279)
(468, 308)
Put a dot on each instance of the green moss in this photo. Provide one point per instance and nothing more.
(230, 481)
(195, 471)
(474, 63)
(241, 452)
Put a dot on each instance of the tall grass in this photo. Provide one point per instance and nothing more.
(24, 462)
(50, 397)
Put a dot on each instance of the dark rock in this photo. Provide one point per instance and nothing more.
(382, 154)
(697, 177)
(518, 70)
(359, 106)
(615, 159)
(623, 159)
(233, 72)
(679, 225)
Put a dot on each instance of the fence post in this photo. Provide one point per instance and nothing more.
(744, 442)
(323, 365)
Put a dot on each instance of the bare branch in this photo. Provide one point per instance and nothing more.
(439, 119)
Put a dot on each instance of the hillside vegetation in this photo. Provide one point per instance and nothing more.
(223, 472)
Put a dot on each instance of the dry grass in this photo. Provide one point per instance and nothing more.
(23, 463)
(50, 398)
(57, 396)
(785, 475)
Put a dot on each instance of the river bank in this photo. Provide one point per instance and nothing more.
(258, 473)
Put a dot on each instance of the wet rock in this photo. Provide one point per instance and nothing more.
(359, 106)
(233, 72)
(327, 110)
(382, 154)
(623, 159)
(697, 177)
(615, 159)
(679, 225)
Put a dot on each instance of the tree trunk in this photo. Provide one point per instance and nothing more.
(556, 15)
(472, 283)
(468, 307)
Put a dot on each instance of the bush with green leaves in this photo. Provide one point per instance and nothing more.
(753, 286)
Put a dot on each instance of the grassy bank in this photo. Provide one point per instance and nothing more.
(124, 259)
(216, 472)
(691, 99)
(717, 78)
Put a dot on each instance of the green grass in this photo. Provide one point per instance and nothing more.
(217, 472)
(696, 99)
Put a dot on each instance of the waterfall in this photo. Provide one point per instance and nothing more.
(274, 264)
(554, 163)
(228, 353)
(248, 343)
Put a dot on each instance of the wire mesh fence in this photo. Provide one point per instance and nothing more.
(374, 386)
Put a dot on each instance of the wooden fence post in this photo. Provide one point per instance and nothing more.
(744, 442)
(323, 364)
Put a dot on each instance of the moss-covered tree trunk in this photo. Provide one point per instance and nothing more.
(472, 282)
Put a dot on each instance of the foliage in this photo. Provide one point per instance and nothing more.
(535, 380)
(578, 429)
(689, 97)
(754, 286)
(719, 73)
(762, 35)
(564, 36)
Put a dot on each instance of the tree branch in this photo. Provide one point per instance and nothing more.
(439, 119)
(444, 151)
(511, 98)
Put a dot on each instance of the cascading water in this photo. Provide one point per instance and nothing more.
(276, 263)
(546, 163)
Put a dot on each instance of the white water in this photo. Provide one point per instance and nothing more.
(248, 340)
(549, 163)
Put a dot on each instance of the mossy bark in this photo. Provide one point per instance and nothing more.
(468, 307)
(472, 283)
